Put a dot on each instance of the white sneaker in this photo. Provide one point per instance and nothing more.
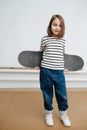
(49, 119)
(65, 120)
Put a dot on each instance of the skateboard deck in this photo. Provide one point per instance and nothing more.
(33, 59)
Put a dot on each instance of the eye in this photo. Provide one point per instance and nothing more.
(54, 24)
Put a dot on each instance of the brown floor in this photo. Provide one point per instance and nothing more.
(23, 110)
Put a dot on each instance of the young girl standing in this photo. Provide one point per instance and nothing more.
(52, 70)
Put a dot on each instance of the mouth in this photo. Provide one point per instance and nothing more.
(56, 31)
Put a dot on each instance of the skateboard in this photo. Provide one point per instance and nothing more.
(33, 59)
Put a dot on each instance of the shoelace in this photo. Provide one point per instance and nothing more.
(49, 116)
(65, 116)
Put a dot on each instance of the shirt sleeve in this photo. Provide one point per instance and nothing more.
(42, 45)
(64, 47)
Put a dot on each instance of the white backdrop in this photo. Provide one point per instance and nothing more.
(24, 22)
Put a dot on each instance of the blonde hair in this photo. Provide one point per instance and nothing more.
(62, 24)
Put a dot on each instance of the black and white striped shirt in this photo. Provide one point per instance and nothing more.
(53, 53)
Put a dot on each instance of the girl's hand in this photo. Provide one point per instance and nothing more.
(66, 70)
(37, 68)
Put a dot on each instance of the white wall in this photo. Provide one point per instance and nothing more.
(24, 22)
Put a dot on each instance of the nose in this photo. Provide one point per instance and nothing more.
(58, 27)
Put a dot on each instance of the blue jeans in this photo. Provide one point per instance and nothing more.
(53, 80)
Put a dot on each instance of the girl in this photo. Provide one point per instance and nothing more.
(52, 70)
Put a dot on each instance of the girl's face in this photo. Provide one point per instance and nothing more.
(55, 27)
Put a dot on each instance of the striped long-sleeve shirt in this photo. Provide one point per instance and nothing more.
(53, 53)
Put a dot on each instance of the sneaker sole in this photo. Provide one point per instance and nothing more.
(65, 124)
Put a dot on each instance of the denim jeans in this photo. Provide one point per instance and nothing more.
(53, 81)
